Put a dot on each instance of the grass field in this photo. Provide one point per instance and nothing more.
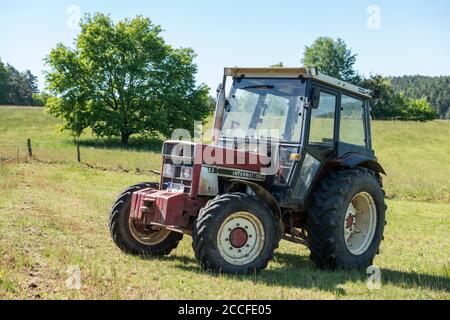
(54, 216)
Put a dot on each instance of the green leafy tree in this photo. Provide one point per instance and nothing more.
(419, 110)
(3, 83)
(20, 86)
(40, 99)
(31, 81)
(277, 65)
(389, 104)
(393, 105)
(436, 90)
(123, 79)
(331, 57)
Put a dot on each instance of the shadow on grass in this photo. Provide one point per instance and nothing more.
(135, 144)
(299, 272)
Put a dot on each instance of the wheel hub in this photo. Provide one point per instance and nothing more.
(145, 236)
(240, 238)
(350, 220)
(360, 223)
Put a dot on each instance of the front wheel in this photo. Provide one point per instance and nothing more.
(235, 233)
(346, 220)
(136, 239)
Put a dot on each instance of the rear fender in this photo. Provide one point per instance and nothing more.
(352, 160)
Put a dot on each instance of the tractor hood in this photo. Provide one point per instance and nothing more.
(184, 163)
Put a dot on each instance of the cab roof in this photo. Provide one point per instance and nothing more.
(311, 73)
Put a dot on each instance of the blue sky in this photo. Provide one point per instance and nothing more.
(413, 38)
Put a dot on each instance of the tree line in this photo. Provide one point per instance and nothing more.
(19, 88)
(436, 90)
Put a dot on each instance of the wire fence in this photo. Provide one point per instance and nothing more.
(102, 156)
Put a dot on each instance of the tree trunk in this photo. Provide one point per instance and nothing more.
(125, 138)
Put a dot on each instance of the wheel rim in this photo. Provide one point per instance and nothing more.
(240, 238)
(360, 223)
(148, 237)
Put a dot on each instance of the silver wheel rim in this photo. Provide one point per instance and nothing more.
(360, 223)
(249, 241)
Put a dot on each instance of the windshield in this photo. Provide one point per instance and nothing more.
(264, 109)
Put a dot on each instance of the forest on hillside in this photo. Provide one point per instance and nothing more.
(435, 89)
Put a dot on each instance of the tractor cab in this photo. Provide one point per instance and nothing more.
(304, 119)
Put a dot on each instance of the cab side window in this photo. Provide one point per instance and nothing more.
(352, 121)
(322, 120)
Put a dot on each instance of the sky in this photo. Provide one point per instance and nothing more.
(390, 37)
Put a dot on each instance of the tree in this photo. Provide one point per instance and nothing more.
(332, 58)
(277, 65)
(392, 105)
(40, 99)
(3, 83)
(389, 104)
(31, 81)
(435, 89)
(419, 110)
(123, 79)
(20, 86)
(17, 88)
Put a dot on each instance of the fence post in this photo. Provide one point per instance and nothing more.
(30, 150)
(18, 155)
(78, 153)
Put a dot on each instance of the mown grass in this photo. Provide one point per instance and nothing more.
(50, 144)
(416, 156)
(54, 216)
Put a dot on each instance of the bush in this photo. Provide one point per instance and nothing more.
(396, 106)
(418, 110)
(40, 99)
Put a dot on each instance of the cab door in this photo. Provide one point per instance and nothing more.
(354, 127)
(322, 133)
(320, 136)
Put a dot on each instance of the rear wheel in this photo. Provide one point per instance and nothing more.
(235, 233)
(346, 220)
(136, 239)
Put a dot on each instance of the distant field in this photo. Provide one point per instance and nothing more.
(415, 155)
(54, 216)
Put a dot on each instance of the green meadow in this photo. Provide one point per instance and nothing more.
(54, 211)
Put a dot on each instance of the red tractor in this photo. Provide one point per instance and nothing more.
(291, 159)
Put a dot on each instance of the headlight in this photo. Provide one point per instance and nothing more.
(186, 173)
(168, 170)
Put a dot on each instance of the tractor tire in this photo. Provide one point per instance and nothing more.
(346, 219)
(236, 234)
(133, 240)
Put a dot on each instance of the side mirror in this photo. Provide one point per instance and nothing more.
(315, 98)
